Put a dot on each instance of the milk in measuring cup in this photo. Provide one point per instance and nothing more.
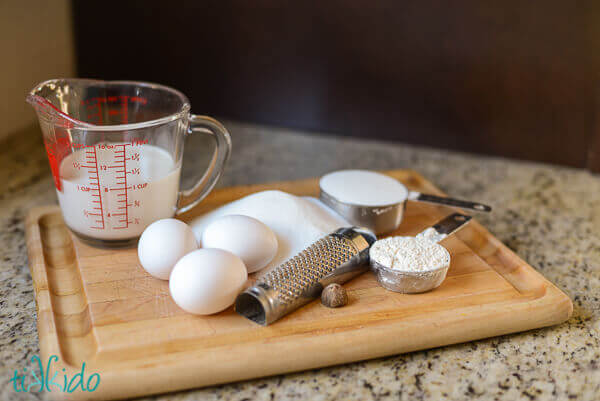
(114, 191)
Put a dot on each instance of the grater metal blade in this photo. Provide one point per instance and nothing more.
(335, 258)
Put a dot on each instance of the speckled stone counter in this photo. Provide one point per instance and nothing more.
(548, 215)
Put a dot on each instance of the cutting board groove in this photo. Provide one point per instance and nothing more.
(100, 307)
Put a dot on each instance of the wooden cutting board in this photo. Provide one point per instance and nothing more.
(100, 307)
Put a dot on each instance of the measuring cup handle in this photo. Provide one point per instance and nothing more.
(442, 200)
(205, 125)
(445, 227)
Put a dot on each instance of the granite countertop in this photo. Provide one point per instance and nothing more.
(548, 215)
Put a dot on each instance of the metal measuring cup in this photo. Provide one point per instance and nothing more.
(413, 282)
(386, 217)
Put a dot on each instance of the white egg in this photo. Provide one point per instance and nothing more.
(162, 244)
(244, 236)
(207, 281)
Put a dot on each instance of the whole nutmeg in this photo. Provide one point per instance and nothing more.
(334, 296)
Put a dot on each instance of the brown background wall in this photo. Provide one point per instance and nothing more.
(35, 44)
(509, 78)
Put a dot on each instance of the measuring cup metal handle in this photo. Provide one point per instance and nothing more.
(445, 227)
(442, 200)
(451, 223)
(209, 126)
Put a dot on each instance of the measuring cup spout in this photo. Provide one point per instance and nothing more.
(50, 113)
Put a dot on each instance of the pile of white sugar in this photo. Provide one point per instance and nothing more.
(410, 254)
(296, 221)
(363, 187)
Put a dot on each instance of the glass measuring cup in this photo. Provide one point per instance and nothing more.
(115, 151)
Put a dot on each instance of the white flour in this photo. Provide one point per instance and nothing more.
(297, 222)
(412, 254)
(432, 235)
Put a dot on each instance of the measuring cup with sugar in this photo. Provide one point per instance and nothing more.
(115, 150)
(376, 201)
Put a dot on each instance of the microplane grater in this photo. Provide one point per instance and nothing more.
(335, 258)
(295, 276)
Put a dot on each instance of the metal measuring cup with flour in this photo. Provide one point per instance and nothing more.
(412, 265)
(376, 201)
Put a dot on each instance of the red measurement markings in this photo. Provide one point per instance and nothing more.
(94, 178)
(121, 182)
(124, 116)
(94, 110)
(110, 106)
(139, 141)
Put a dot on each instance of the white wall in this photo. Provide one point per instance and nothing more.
(35, 44)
